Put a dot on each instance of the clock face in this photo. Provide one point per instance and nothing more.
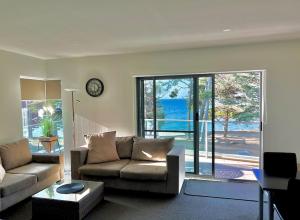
(94, 87)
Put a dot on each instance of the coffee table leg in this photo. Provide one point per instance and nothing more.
(261, 204)
(271, 207)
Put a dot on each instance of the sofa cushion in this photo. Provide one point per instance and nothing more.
(102, 148)
(151, 149)
(145, 170)
(15, 154)
(124, 146)
(13, 183)
(107, 169)
(40, 170)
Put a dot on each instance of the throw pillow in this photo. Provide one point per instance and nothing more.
(15, 154)
(102, 147)
(151, 149)
(2, 173)
(124, 146)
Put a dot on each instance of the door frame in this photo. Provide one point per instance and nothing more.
(195, 76)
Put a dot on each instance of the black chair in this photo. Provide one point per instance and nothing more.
(280, 164)
(287, 204)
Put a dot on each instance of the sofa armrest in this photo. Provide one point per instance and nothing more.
(50, 158)
(47, 158)
(176, 169)
(78, 158)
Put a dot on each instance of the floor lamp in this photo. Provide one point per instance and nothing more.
(72, 91)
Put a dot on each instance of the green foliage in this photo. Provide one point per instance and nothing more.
(148, 96)
(237, 97)
(47, 126)
(35, 105)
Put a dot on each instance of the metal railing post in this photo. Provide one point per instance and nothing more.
(206, 141)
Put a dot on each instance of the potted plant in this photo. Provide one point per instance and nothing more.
(48, 139)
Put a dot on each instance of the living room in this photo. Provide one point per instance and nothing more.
(119, 43)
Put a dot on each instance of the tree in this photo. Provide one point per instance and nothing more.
(149, 103)
(205, 99)
(237, 97)
(250, 84)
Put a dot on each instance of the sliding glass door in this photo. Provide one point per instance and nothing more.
(237, 124)
(166, 110)
(215, 117)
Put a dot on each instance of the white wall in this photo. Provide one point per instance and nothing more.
(115, 109)
(11, 67)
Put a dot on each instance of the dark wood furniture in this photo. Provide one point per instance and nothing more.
(48, 204)
(270, 184)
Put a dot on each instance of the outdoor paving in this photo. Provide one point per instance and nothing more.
(236, 156)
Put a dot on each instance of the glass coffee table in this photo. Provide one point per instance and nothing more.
(49, 204)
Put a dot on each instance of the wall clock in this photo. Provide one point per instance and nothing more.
(94, 87)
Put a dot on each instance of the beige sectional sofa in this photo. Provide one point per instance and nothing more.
(26, 173)
(131, 174)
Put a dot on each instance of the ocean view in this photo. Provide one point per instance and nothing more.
(177, 109)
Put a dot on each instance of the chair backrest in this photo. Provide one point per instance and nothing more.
(280, 164)
(293, 199)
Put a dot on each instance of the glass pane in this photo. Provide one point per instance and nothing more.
(148, 105)
(149, 134)
(174, 104)
(35, 115)
(205, 125)
(237, 137)
(186, 140)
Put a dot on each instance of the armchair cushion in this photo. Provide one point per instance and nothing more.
(15, 154)
(151, 149)
(107, 169)
(145, 170)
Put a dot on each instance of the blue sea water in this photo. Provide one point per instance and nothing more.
(178, 109)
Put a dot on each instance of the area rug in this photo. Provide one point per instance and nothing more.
(246, 191)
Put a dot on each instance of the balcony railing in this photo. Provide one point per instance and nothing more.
(180, 127)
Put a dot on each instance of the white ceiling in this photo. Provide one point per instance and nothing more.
(71, 28)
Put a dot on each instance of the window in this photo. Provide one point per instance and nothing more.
(42, 114)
